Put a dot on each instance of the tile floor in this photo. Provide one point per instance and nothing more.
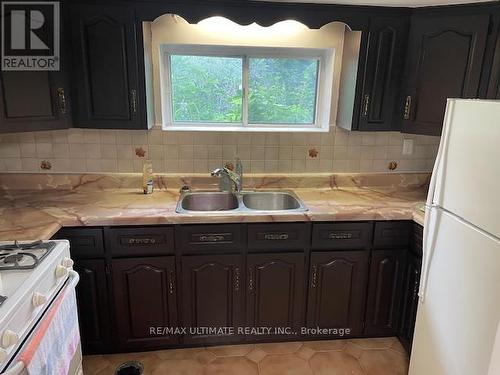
(381, 356)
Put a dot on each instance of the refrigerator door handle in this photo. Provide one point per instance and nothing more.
(429, 242)
(440, 156)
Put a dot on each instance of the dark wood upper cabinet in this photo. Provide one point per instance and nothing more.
(445, 58)
(36, 100)
(337, 290)
(494, 82)
(384, 65)
(275, 291)
(106, 67)
(144, 292)
(212, 295)
(93, 307)
(384, 292)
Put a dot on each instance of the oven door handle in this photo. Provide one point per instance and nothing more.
(74, 277)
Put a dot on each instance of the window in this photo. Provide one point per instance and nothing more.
(245, 88)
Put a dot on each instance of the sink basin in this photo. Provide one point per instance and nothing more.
(207, 201)
(272, 201)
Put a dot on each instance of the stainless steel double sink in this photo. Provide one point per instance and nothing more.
(246, 201)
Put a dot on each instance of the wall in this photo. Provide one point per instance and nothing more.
(79, 150)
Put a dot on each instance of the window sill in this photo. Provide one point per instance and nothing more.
(247, 129)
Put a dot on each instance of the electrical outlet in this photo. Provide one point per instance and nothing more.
(408, 146)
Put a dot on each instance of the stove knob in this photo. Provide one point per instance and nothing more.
(61, 271)
(67, 262)
(38, 299)
(9, 338)
(3, 355)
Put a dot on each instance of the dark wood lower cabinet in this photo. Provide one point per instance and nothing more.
(337, 290)
(145, 297)
(212, 295)
(275, 289)
(370, 290)
(93, 307)
(384, 292)
(410, 301)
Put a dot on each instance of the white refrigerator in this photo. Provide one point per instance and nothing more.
(459, 306)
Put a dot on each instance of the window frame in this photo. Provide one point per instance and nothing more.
(324, 83)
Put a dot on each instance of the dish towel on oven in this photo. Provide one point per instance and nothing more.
(56, 340)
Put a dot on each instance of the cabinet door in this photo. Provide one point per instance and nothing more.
(445, 56)
(337, 290)
(105, 66)
(212, 295)
(410, 301)
(494, 82)
(145, 297)
(384, 291)
(275, 291)
(384, 65)
(93, 306)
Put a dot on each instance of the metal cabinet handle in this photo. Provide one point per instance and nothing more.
(276, 236)
(171, 283)
(314, 276)
(141, 241)
(250, 278)
(133, 95)
(236, 279)
(212, 238)
(366, 105)
(407, 111)
(62, 100)
(339, 236)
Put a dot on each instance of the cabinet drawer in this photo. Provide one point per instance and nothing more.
(197, 239)
(132, 241)
(84, 242)
(392, 234)
(292, 236)
(342, 236)
(418, 238)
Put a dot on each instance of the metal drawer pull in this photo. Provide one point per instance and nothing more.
(236, 279)
(366, 105)
(250, 278)
(339, 236)
(276, 236)
(314, 276)
(407, 111)
(133, 94)
(141, 241)
(171, 282)
(62, 100)
(212, 238)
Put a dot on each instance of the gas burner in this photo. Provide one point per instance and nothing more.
(23, 256)
(22, 246)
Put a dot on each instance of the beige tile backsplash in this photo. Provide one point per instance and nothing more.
(82, 150)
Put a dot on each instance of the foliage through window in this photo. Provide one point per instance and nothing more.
(228, 87)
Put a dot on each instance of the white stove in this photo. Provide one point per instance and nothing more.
(31, 276)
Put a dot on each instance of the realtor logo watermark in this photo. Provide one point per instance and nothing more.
(30, 35)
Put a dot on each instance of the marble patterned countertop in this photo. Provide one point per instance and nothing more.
(48, 202)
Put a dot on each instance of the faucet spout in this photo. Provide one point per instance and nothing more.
(234, 177)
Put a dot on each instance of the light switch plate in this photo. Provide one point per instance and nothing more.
(408, 146)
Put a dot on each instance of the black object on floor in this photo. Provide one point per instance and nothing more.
(130, 368)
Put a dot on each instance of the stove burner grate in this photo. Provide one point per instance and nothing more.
(12, 255)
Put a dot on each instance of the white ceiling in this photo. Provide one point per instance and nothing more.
(390, 3)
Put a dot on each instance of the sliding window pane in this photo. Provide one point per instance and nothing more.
(206, 88)
(282, 90)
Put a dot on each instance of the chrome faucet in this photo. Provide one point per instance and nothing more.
(236, 177)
